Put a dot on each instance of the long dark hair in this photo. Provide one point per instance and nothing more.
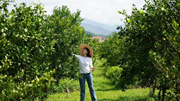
(88, 54)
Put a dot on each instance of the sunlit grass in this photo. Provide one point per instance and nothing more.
(105, 91)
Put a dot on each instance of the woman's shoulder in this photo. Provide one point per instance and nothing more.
(88, 57)
(85, 57)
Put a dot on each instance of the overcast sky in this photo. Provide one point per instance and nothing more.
(103, 11)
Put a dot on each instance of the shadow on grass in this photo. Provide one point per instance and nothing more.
(107, 99)
(108, 86)
(138, 98)
(113, 88)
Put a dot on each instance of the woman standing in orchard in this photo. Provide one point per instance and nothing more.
(85, 61)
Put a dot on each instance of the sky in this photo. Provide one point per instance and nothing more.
(103, 11)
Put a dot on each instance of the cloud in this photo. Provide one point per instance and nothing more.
(104, 11)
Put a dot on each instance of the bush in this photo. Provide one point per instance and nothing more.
(68, 84)
(35, 49)
(114, 73)
(63, 85)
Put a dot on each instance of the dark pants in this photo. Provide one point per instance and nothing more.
(88, 77)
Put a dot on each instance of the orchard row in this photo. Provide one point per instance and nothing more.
(35, 49)
(147, 49)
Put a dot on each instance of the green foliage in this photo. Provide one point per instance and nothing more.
(114, 73)
(64, 85)
(24, 66)
(105, 90)
(68, 83)
(148, 46)
(35, 49)
(64, 29)
(110, 50)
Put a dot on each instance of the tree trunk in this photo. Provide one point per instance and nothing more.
(67, 92)
(159, 95)
(177, 92)
(42, 99)
(154, 88)
(33, 96)
(51, 86)
(163, 93)
(46, 90)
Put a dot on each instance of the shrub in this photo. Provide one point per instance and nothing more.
(68, 84)
(114, 73)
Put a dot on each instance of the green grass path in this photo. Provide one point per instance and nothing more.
(105, 91)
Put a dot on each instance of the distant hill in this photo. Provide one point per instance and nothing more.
(93, 34)
(97, 28)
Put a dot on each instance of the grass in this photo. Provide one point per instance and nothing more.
(105, 90)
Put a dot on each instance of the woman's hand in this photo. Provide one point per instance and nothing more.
(93, 69)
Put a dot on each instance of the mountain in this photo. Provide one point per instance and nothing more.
(97, 28)
(92, 34)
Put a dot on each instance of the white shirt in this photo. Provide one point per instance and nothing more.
(84, 63)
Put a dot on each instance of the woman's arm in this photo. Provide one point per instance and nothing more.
(91, 65)
(70, 47)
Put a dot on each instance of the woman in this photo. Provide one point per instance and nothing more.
(85, 60)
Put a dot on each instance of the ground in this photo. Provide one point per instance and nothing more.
(105, 90)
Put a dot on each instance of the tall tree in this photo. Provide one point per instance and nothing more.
(151, 47)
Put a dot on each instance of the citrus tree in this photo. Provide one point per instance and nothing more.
(35, 49)
(150, 50)
(65, 30)
(24, 64)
